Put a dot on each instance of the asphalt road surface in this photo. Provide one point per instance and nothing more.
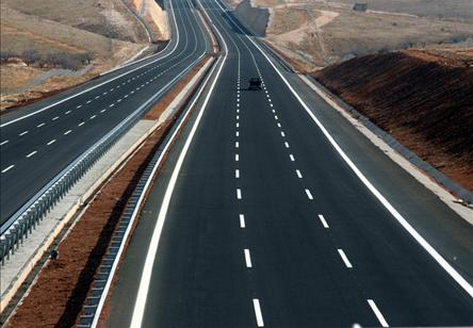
(38, 141)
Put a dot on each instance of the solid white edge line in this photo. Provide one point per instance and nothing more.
(248, 262)
(242, 221)
(378, 313)
(345, 258)
(324, 222)
(406, 225)
(258, 313)
(138, 309)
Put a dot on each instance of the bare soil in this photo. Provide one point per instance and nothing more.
(423, 98)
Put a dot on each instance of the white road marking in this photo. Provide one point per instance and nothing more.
(31, 154)
(237, 173)
(51, 142)
(237, 125)
(276, 117)
(248, 258)
(286, 144)
(238, 111)
(120, 99)
(8, 168)
(67, 132)
(378, 313)
(237, 157)
(237, 134)
(238, 117)
(309, 195)
(292, 157)
(324, 222)
(68, 112)
(125, 96)
(238, 192)
(111, 105)
(88, 101)
(81, 123)
(79, 106)
(271, 105)
(299, 174)
(259, 315)
(279, 125)
(237, 144)
(104, 93)
(274, 112)
(242, 221)
(97, 97)
(344, 258)
(283, 134)
(238, 105)
(23, 133)
(4, 142)
(404, 223)
(40, 125)
(103, 110)
(54, 118)
(93, 116)
(111, 89)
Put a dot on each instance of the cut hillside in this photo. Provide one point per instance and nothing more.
(423, 98)
(315, 33)
(49, 46)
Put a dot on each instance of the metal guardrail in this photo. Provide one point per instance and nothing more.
(25, 220)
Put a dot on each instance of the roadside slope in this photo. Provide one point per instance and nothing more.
(422, 98)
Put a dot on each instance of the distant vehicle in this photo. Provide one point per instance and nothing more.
(254, 84)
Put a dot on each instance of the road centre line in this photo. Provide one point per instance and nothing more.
(242, 221)
(309, 195)
(23, 133)
(299, 174)
(4, 142)
(51, 142)
(258, 313)
(237, 144)
(68, 112)
(324, 222)
(237, 134)
(54, 118)
(292, 157)
(40, 125)
(345, 258)
(238, 192)
(88, 101)
(237, 125)
(8, 168)
(81, 123)
(67, 132)
(378, 313)
(283, 134)
(237, 173)
(286, 144)
(79, 106)
(248, 258)
(31, 154)
(237, 157)
(276, 117)
(93, 116)
(103, 110)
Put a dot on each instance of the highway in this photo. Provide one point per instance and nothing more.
(274, 211)
(40, 140)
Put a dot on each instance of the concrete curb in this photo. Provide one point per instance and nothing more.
(410, 162)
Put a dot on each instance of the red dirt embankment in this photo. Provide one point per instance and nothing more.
(423, 99)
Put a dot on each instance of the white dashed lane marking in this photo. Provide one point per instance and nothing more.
(323, 221)
(237, 173)
(299, 174)
(248, 258)
(68, 112)
(292, 157)
(40, 125)
(238, 192)
(103, 110)
(286, 144)
(4, 142)
(93, 116)
(88, 101)
(8, 168)
(54, 118)
(258, 313)
(283, 134)
(67, 132)
(51, 142)
(237, 157)
(344, 258)
(23, 133)
(378, 313)
(79, 106)
(309, 194)
(31, 154)
(81, 123)
(242, 221)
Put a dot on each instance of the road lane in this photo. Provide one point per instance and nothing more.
(324, 251)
